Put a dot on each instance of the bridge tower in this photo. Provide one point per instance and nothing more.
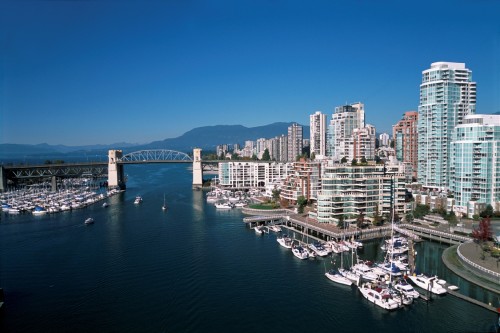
(115, 170)
(3, 180)
(197, 168)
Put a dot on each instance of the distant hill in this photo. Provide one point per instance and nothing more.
(12, 150)
(206, 138)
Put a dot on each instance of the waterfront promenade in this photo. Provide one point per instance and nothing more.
(453, 257)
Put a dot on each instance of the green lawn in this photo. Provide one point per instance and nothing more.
(264, 206)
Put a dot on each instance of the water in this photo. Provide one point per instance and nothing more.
(190, 269)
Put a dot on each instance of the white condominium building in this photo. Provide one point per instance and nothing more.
(349, 191)
(362, 143)
(447, 95)
(317, 136)
(303, 180)
(345, 119)
(475, 163)
(383, 139)
(246, 174)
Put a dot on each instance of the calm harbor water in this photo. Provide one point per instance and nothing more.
(192, 269)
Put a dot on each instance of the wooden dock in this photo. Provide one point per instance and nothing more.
(473, 301)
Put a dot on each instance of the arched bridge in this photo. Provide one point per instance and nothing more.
(114, 167)
(155, 156)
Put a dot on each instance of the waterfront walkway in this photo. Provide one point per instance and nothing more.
(472, 253)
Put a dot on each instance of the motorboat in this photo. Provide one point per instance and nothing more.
(319, 249)
(379, 296)
(39, 211)
(89, 221)
(104, 205)
(349, 274)
(364, 271)
(164, 206)
(285, 241)
(300, 252)
(406, 289)
(428, 283)
(335, 276)
(138, 200)
(275, 228)
(259, 229)
(224, 205)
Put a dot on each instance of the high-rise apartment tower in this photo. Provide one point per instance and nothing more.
(447, 95)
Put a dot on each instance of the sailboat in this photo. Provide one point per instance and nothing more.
(164, 207)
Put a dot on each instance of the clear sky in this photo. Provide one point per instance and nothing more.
(102, 72)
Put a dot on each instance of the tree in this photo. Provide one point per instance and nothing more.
(483, 231)
(343, 160)
(409, 217)
(235, 156)
(377, 219)
(265, 155)
(420, 211)
(487, 212)
(354, 161)
(360, 221)
(276, 195)
(340, 222)
(363, 160)
(313, 156)
(377, 159)
(301, 203)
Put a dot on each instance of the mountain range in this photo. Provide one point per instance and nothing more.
(206, 138)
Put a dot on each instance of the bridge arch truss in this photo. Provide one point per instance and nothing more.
(155, 155)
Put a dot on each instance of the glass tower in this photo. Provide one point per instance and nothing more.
(447, 95)
(475, 166)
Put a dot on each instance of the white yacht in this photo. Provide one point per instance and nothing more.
(138, 200)
(428, 283)
(275, 228)
(224, 205)
(378, 296)
(406, 289)
(285, 241)
(89, 221)
(319, 249)
(259, 230)
(300, 252)
(335, 276)
(364, 271)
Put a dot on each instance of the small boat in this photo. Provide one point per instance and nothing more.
(224, 205)
(39, 211)
(104, 205)
(164, 207)
(300, 252)
(285, 241)
(259, 230)
(89, 221)
(406, 289)
(319, 249)
(275, 228)
(335, 276)
(138, 200)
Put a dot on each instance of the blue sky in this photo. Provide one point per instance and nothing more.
(102, 72)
